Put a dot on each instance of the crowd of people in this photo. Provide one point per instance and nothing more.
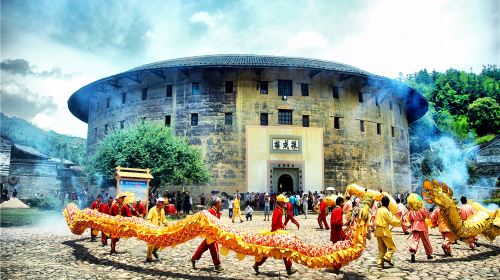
(287, 206)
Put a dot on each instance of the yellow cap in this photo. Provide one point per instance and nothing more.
(121, 195)
(281, 198)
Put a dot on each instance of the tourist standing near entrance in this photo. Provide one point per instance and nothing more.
(305, 204)
(156, 216)
(237, 209)
(230, 203)
(214, 246)
(121, 210)
(322, 214)
(267, 207)
(289, 215)
(277, 224)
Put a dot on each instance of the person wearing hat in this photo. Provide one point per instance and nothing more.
(105, 209)
(96, 205)
(237, 209)
(214, 246)
(156, 216)
(119, 209)
(419, 231)
(277, 224)
(323, 212)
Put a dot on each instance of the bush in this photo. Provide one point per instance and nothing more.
(45, 203)
(492, 200)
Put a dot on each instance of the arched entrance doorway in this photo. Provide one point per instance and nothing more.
(285, 184)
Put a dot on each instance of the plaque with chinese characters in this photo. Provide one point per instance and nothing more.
(284, 144)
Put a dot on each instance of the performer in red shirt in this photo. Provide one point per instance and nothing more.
(119, 209)
(289, 215)
(336, 222)
(139, 210)
(214, 246)
(277, 224)
(95, 206)
(105, 209)
(322, 215)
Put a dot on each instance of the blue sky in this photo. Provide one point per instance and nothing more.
(49, 49)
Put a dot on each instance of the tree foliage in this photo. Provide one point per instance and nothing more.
(150, 145)
(461, 104)
(48, 143)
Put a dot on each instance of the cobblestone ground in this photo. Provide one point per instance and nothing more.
(50, 251)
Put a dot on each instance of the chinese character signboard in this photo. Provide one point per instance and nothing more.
(133, 180)
(285, 144)
(139, 188)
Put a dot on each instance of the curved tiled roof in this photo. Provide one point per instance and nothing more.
(417, 106)
(250, 61)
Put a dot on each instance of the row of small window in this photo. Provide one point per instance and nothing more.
(195, 89)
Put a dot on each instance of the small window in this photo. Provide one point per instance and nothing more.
(264, 87)
(379, 129)
(377, 102)
(264, 119)
(144, 93)
(390, 105)
(106, 126)
(360, 97)
(168, 120)
(168, 91)
(229, 87)
(122, 124)
(195, 88)
(194, 119)
(124, 97)
(402, 134)
(392, 131)
(95, 132)
(107, 102)
(336, 122)
(362, 126)
(305, 120)
(228, 119)
(304, 88)
(400, 109)
(335, 92)
(285, 117)
(285, 88)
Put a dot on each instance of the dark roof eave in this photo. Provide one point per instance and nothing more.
(415, 103)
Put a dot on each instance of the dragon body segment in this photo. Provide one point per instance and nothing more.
(484, 222)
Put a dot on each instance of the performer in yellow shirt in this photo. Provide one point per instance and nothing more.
(156, 216)
(383, 219)
(236, 208)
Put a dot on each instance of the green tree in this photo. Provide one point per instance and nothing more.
(150, 145)
(484, 116)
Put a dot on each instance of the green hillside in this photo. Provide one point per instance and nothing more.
(50, 143)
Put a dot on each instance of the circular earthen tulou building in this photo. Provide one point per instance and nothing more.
(267, 123)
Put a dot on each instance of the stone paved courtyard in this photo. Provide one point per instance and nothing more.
(50, 251)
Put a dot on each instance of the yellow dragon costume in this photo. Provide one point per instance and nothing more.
(484, 222)
(265, 244)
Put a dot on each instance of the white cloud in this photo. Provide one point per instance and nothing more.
(384, 37)
(206, 18)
